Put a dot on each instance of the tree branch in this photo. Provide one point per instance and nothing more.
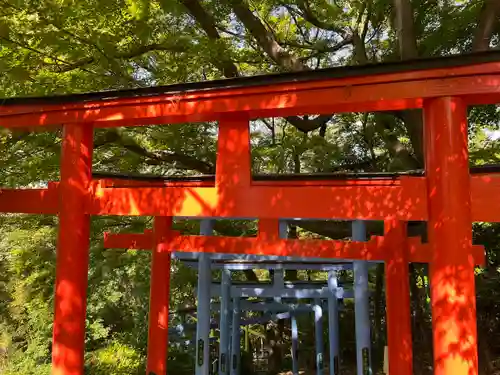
(187, 162)
(265, 38)
(308, 14)
(384, 125)
(135, 52)
(279, 55)
(209, 26)
(293, 14)
(488, 16)
(307, 125)
(360, 55)
(41, 53)
(412, 119)
(369, 10)
(69, 66)
(320, 49)
(368, 138)
(358, 38)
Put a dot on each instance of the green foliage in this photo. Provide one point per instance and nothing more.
(115, 359)
(180, 360)
(25, 365)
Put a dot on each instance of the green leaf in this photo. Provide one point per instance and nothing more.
(139, 9)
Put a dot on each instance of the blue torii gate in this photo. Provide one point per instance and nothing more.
(204, 293)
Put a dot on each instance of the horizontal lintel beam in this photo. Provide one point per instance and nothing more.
(373, 250)
(405, 201)
(29, 201)
(129, 241)
(307, 263)
(286, 293)
(381, 92)
(276, 306)
(273, 306)
(270, 291)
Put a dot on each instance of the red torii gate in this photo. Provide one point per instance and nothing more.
(447, 197)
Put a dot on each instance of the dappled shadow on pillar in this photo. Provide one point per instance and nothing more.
(454, 307)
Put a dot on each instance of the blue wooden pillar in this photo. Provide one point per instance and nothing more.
(295, 346)
(224, 322)
(333, 324)
(361, 305)
(230, 341)
(236, 338)
(318, 333)
(203, 309)
(283, 228)
(279, 275)
(278, 283)
(279, 279)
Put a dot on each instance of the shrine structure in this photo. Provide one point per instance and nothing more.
(447, 197)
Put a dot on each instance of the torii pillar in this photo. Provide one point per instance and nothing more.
(397, 287)
(70, 305)
(159, 297)
(453, 296)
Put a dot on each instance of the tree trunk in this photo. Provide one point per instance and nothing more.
(274, 347)
(484, 353)
(422, 331)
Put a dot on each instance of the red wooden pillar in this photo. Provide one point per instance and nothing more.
(269, 229)
(397, 288)
(234, 164)
(159, 298)
(72, 251)
(450, 236)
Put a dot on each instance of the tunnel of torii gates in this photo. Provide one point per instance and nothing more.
(446, 196)
(229, 343)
